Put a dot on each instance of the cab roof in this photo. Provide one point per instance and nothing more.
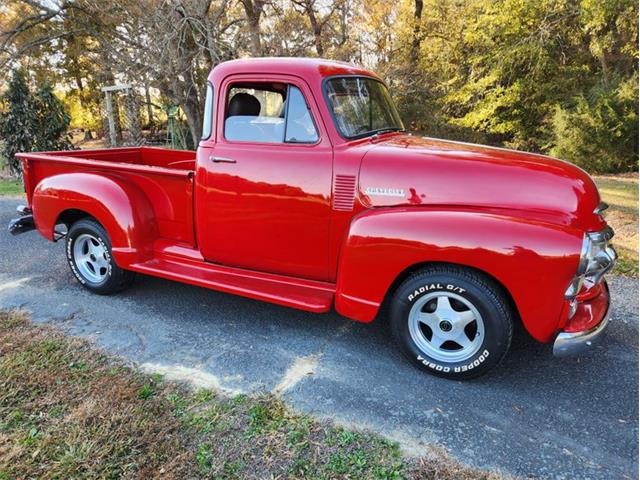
(309, 68)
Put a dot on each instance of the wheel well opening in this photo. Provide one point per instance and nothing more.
(71, 216)
(406, 273)
(65, 220)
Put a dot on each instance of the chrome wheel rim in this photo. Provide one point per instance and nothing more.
(90, 257)
(446, 327)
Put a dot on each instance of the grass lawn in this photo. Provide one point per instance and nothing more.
(67, 410)
(11, 187)
(621, 193)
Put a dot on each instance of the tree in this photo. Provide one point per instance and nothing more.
(518, 73)
(18, 120)
(253, 10)
(52, 121)
(524, 74)
(600, 133)
(31, 123)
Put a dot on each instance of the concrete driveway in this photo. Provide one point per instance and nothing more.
(535, 416)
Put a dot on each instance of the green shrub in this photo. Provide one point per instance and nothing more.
(17, 119)
(31, 122)
(601, 132)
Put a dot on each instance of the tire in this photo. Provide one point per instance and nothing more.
(89, 255)
(468, 313)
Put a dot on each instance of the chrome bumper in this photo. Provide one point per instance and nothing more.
(24, 223)
(574, 343)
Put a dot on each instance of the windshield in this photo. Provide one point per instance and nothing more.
(361, 106)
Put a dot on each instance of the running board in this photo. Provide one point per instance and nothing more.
(309, 295)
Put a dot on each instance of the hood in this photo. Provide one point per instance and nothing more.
(408, 170)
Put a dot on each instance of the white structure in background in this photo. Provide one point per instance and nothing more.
(131, 115)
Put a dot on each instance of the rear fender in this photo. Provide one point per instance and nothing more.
(534, 261)
(120, 207)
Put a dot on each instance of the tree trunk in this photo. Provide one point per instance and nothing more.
(193, 112)
(253, 10)
(317, 29)
(417, 27)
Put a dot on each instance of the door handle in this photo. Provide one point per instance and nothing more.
(221, 159)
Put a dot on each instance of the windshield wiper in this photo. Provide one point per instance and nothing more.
(376, 133)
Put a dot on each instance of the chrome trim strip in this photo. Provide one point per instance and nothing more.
(602, 206)
(601, 264)
(23, 210)
(569, 344)
(590, 265)
(603, 235)
(574, 288)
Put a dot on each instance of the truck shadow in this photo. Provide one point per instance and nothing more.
(528, 365)
(363, 380)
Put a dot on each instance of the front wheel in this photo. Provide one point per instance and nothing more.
(89, 256)
(451, 321)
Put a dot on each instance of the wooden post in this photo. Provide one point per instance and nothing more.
(111, 112)
(147, 95)
(112, 123)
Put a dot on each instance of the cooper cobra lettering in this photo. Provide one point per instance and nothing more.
(463, 368)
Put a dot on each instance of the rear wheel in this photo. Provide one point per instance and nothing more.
(89, 255)
(451, 321)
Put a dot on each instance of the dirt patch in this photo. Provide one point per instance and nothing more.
(302, 367)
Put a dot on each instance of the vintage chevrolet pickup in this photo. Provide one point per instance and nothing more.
(305, 191)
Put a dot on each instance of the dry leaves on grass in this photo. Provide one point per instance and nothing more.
(68, 410)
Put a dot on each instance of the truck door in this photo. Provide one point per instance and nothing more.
(264, 185)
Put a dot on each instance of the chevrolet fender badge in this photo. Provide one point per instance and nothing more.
(385, 192)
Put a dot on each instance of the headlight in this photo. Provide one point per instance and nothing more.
(596, 259)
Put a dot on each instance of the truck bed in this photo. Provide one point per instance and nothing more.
(164, 176)
(147, 156)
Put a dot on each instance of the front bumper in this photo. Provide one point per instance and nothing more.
(594, 314)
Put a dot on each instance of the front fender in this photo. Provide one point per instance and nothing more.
(120, 207)
(534, 261)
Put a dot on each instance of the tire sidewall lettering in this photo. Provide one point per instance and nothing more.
(427, 362)
(466, 366)
(435, 286)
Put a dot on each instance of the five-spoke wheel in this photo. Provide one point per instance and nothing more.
(90, 259)
(90, 256)
(452, 321)
(446, 326)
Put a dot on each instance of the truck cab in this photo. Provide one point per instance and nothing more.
(306, 191)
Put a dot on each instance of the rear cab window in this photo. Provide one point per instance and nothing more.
(268, 113)
(207, 122)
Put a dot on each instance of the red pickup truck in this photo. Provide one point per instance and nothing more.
(305, 191)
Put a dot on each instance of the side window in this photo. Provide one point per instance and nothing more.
(299, 127)
(255, 113)
(268, 113)
(207, 123)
